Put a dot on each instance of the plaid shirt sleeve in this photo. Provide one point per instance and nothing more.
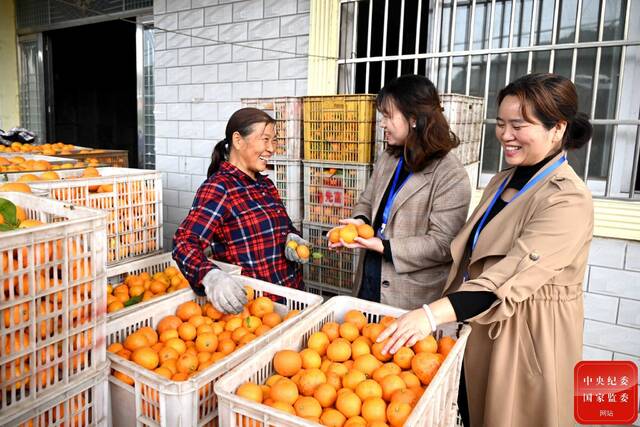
(196, 233)
(274, 193)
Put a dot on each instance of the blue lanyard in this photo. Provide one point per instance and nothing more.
(529, 184)
(392, 195)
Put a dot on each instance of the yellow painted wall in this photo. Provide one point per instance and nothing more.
(324, 41)
(9, 105)
(615, 219)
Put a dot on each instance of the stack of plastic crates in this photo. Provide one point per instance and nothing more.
(339, 139)
(285, 166)
(53, 334)
(132, 199)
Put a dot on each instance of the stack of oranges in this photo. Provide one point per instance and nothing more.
(143, 287)
(21, 164)
(196, 337)
(349, 232)
(46, 149)
(342, 379)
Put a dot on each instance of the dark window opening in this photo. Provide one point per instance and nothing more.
(93, 76)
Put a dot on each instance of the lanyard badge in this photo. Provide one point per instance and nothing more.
(392, 195)
(527, 186)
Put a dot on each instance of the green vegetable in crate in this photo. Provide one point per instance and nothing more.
(13, 217)
(133, 301)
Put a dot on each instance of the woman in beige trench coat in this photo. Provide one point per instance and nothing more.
(518, 266)
(416, 200)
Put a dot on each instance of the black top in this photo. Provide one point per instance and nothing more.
(467, 304)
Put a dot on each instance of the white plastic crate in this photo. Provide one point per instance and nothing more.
(335, 270)
(62, 173)
(465, 116)
(134, 207)
(85, 405)
(156, 401)
(324, 291)
(53, 301)
(151, 264)
(331, 190)
(436, 407)
(287, 177)
(287, 111)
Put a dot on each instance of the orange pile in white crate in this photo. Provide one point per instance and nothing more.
(196, 337)
(129, 196)
(45, 149)
(342, 379)
(50, 300)
(143, 287)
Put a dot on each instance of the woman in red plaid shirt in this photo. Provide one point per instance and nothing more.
(238, 213)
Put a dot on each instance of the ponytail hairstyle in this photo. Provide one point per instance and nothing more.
(551, 98)
(242, 121)
(416, 98)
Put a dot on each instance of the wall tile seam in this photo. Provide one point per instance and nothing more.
(284, 15)
(611, 295)
(599, 347)
(596, 348)
(620, 299)
(268, 50)
(585, 318)
(623, 354)
(608, 267)
(588, 279)
(612, 324)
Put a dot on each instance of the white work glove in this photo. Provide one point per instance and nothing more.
(291, 253)
(225, 293)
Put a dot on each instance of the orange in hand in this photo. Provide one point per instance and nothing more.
(348, 233)
(303, 251)
(365, 231)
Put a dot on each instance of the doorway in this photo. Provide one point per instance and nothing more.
(92, 99)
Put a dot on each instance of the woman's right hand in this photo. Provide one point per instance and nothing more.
(345, 221)
(226, 294)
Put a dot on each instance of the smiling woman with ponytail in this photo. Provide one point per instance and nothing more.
(237, 212)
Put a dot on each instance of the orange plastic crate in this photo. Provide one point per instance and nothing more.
(331, 190)
(339, 128)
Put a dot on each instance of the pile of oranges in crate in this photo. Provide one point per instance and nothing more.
(342, 378)
(21, 164)
(143, 287)
(196, 337)
(58, 311)
(44, 149)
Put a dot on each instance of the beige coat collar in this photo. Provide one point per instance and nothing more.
(500, 227)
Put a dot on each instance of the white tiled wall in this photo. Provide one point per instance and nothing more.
(199, 82)
(612, 301)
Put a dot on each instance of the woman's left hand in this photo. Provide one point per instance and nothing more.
(406, 330)
(373, 244)
(290, 251)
